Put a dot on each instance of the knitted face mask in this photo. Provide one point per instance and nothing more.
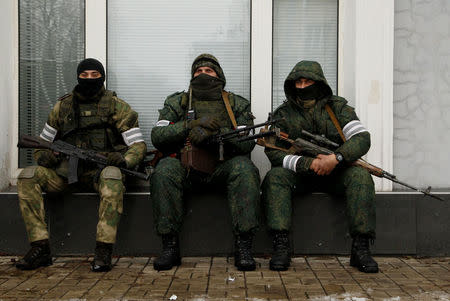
(206, 87)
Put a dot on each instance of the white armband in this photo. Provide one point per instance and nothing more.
(290, 162)
(162, 123)
(352, 128)
(48, 133)
(132, 136)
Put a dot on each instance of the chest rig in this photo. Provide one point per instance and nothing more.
(198, 158)
(217, 109)
(93, 128)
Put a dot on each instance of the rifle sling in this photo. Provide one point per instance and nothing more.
(226, 101)
(335, 121)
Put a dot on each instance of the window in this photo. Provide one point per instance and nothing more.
(51, 43)
(152, 44)
(303, 30)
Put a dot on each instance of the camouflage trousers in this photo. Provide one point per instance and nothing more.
(238, 176)
(355, 183)
(34, 180)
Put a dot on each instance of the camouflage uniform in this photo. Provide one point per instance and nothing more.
(237, 174)
(291, 174)
(105, 124)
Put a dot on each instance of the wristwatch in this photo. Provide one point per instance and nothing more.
(339, 157)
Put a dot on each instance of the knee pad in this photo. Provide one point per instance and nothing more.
(111, 172)
(28, 172)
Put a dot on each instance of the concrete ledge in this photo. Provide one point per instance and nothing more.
(407, 223)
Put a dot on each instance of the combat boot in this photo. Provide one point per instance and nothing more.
(281, 258)
(170, 255)
(361, 257)
(102, 258)
(243, 258)
(38, 256)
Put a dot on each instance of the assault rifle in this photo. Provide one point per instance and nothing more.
(74, 153)
(321, 145)
(240, 133)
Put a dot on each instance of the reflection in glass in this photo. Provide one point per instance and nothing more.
(151, 46)
(51, 43)
(303, 30)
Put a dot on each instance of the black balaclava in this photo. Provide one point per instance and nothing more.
(90, 86)
(308, 96)
(306, 93)
(207, 87)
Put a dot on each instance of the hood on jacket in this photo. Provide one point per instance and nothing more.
(208, 60)
(306, 69)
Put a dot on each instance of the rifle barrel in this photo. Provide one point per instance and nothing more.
(414, 188)
(249, 127)
(311, 147)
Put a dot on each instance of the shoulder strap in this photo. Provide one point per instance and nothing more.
(335, 121)
(106, 104)
(226, 101)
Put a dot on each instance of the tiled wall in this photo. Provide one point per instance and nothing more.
(422, 92)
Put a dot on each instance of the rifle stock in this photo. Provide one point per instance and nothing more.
(74, 153)
(26, 141)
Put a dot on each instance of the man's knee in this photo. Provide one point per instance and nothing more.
(359, 176)
(243, 166)
(169, 169)
(45, 177)
(278, 176)
(34, 172)
(110, 181)
(111, 173)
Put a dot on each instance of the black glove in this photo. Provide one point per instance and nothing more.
(116, 159)
(205, 122)
(199, 134)
(46, 158)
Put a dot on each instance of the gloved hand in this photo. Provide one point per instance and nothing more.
(199, 134)
(116, 159)
(46, 158)
(205, 122)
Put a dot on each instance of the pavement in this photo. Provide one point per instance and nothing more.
(216, 278)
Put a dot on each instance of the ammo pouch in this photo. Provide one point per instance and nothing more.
(198, 159)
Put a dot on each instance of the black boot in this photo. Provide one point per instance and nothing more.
(243, 258)
(361, 257)
(170, 255)
(281, 257)
(38, 256)
(102, 258)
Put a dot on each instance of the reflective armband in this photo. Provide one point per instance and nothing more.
(352, 128)
(48, 133)
(162, 123)
(290, 162)
(132, 136)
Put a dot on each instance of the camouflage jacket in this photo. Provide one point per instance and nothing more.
(170, 132)
(317, 121)
(106, 124)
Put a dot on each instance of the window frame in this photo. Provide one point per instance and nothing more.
(365, 69)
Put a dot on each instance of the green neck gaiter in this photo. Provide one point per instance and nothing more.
(206, 87)
(307, 97)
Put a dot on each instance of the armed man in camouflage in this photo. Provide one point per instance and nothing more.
(236, 174)
(91, 118)
(308, 98)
